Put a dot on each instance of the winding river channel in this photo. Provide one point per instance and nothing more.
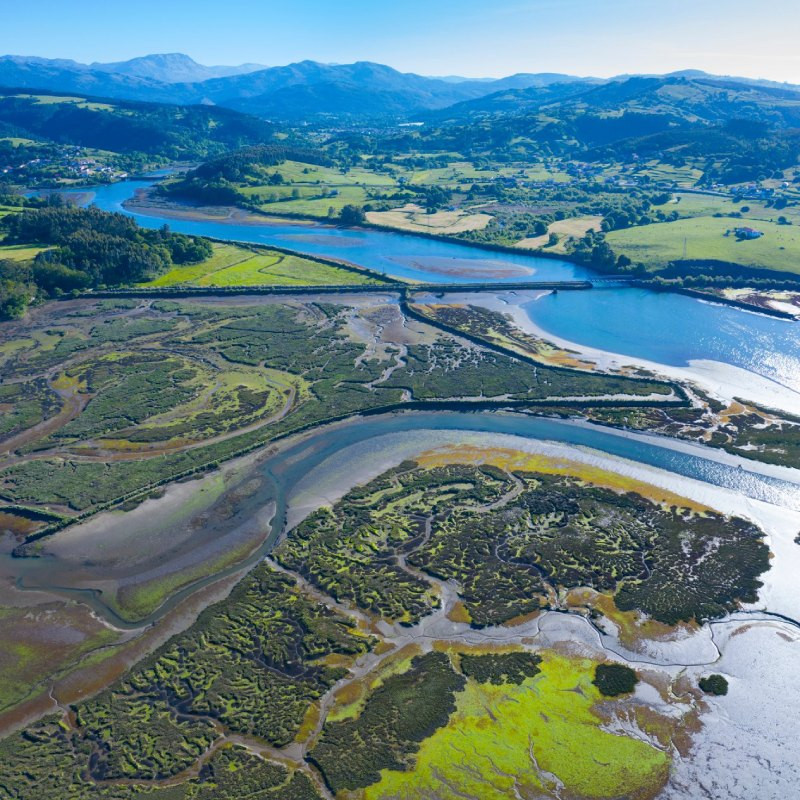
(658, 330)
(285, 478)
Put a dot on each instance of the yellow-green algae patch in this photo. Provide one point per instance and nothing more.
(539, 738)
(135, 601)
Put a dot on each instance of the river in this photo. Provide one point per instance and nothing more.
(661, 329)
(413, 258)
(668, 329)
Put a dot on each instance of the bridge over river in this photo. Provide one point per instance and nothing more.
(403, 288)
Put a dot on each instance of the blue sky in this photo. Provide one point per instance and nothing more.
(433, 37)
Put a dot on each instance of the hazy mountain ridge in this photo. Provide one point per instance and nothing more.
(173, 68)
(300, 89)
(673, 99)
(57, 77)
(310, 90)
(159, 67)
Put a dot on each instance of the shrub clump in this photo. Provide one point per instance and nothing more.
(614, 679)
(714, 684)
(501, 668)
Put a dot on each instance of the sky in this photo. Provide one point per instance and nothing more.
(474, 38)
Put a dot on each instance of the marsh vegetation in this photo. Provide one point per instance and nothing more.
(269, 687)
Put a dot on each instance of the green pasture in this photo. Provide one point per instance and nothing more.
(232, 265)
(18, 252)
(704, 238)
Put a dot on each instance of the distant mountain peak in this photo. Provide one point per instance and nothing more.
(161, 67)
(172, 68)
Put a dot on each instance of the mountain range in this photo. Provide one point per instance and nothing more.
(688, 97)
(309, 90)
(292, 92)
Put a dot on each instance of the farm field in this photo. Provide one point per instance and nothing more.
(658, 244)
(565, 229)
(415, 219)
(18, 252)
(304, 200)
(389, 192)
(311, 189)
(81, 102)
(16, 141)
(693, 204)
(234, 265)
(315, 174)
(657, 172)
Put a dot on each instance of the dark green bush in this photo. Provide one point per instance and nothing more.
(714, 684)
(614, 679)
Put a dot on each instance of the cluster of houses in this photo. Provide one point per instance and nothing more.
(753, 191)
(67, 166)
(580, 169)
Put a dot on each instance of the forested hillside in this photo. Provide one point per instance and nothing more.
(81, 248)
(168, 131)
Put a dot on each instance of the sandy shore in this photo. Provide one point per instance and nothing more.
(142, 203)
(723, 381)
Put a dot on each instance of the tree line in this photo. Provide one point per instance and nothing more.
(87, 248)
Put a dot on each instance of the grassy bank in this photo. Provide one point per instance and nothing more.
(237, 265)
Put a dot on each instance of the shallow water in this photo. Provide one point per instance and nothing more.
(672, 329)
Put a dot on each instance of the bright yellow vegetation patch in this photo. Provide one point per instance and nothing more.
(9, 348)
(66, 382)
(459, 613)
(529, 740)
(309, 724)
(135, 601)
(506, 458)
